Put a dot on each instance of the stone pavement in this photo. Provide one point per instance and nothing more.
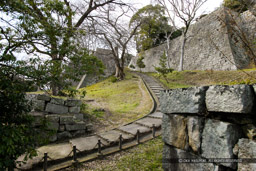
(63, 151)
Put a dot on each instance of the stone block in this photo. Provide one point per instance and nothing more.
(39, 105)
(185, 100)
(43, 97)
(218, 140)
(53, 138)
(64, 135)
(53, 126)
(89, 127)
(179, 160)
(195, 129)
(79, 116)
(53, 118)
(232, 99)
(57, 101)
(74, 109)
(246, 149)
(69, 119)
(58, 109)
(78, 132)
(73, 102)
(174, 131)
(62, 128)
(77, 126)
(38, 118)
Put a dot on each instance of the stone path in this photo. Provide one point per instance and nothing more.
(59, 153)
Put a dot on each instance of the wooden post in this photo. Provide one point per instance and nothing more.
(153, 130)
(120, 142)
(45, 161)
(99, 146)
(138, 136)
(74, 153)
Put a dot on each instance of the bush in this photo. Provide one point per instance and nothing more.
(235, 5)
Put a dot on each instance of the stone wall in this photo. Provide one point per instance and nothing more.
(62, 115)
(209, 128)
(214, 43)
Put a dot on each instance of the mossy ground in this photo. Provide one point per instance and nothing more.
(200, 78)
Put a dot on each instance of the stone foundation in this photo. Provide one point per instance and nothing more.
(62, 115)
(209, 128)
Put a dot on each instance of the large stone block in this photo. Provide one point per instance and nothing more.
(218, 140)
(179, 160)
(53, 118)
(195, 129)
(233, 99)
(79, 116)
(43, 97)
(246, 149)
(185, 100)
(58, 109)
(77, 126)
(57, 101)
(174, 131)
(74, 109)
(53, 126)
(64, 135)
(38, 118)
(73, 102)
(39, 105)
(69, 119)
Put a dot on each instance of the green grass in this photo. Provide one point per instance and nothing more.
(121, 99)
(186, 79)
(144, 157)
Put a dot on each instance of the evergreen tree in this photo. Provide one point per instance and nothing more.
(163, 70)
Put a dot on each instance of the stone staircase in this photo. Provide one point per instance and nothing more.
(61, 155)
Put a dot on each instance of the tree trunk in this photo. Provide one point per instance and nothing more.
(182, 52)
(119, 72)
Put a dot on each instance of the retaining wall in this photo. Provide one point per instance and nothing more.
(62, 115)
(209, 128)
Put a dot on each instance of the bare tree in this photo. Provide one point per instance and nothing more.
(185, 12)
(113, 30)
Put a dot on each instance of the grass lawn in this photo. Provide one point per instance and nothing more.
(200, 78)
(116, 103)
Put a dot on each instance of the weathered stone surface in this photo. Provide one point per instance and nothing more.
(74, 109)
(195, 129)
(62, 128)
(54, 151)
(53, 118)
(43, 97)
(53, 126)
(174, 131)
(39, 105)
(218, 140)
(233, 99)
(73, 102)
(53, 138)
(113, 136)
(63, 135)
(185, 100)
(58, 109)
(79, 116)
(132, 128)
(38, 118)
(149, 122)
(57, 101)
(89, 127)
(86, 143)
(179, 160)
(68, 119)
(201, 52)
(157, 115)
(246, 149)
(77, 126)
(78, 132)
(250, 131)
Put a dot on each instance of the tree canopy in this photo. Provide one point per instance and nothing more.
(153, 28)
